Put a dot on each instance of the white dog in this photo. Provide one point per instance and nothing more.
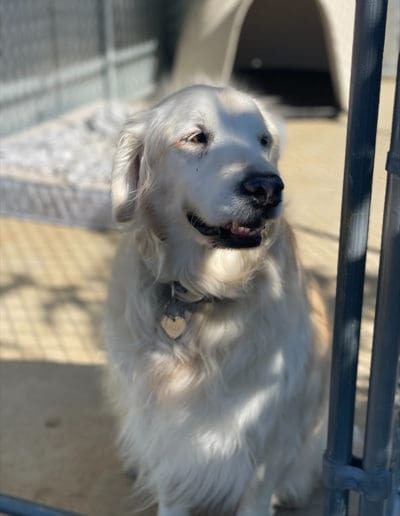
(218, 353)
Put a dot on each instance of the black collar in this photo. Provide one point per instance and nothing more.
(181, 300)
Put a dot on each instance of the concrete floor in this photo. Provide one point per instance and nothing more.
(56, 433)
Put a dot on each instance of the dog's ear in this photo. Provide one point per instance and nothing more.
(126, 169)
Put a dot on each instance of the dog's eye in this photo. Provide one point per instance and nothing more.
(199, 138)
(265, 140)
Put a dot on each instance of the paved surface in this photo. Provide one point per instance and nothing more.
(56, 433)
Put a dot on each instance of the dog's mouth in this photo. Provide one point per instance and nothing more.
(233, 235)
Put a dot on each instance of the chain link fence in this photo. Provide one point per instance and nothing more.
(59, 54)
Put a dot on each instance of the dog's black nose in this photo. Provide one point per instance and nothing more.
(265, 191)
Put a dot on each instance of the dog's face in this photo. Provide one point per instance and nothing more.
(202, 164)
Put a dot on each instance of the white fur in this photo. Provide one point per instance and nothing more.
(233, 412)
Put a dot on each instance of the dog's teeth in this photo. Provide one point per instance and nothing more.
(238, 230)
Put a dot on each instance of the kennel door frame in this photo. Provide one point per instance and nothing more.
(373, 477)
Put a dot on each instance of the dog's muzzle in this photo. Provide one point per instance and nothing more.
(263, 194)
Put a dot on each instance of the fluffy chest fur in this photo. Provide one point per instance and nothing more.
(204, 410)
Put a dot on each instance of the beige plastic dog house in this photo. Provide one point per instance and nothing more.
(221, 36)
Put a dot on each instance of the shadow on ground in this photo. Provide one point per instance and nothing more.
(57, 411)
(57, 439)
(58, 444)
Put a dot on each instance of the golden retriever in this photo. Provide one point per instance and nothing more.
(218, 355)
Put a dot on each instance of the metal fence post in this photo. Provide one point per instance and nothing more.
(111, 75)
(386, 345)
(369, 32)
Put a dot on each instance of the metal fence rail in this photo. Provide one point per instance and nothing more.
(19, 507)
(371, 477)
(386, 346)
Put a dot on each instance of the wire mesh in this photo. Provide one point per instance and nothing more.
(57, 54)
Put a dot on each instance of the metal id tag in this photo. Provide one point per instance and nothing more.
(173, 326)
(174, 319)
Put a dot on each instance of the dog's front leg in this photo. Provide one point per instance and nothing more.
(256, 500)
(164, 510)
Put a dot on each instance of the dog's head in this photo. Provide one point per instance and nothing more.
(202, 163)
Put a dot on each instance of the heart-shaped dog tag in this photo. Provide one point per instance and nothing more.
(173, 326)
